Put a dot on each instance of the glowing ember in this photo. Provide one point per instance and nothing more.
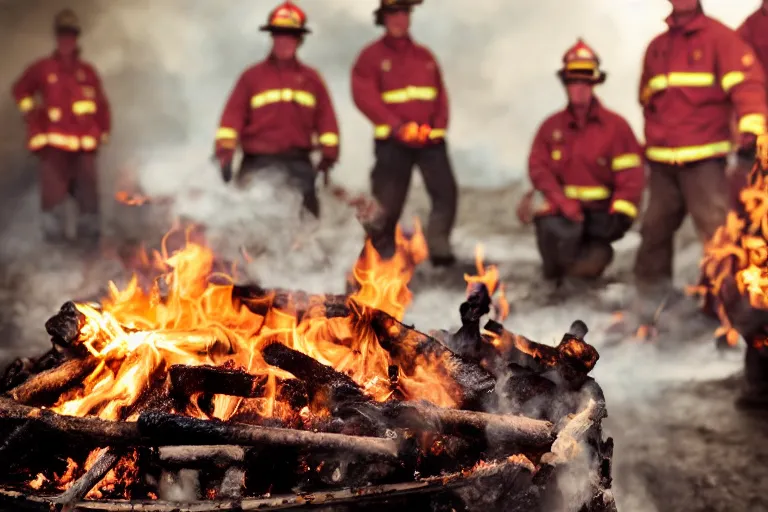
(739, 249)
(137, 335)
(130, 199)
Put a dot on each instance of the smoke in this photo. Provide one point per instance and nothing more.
(168, 66)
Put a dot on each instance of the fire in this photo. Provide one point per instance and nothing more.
(489, 277)
(130, 199)
(137, 334)
(739, 248)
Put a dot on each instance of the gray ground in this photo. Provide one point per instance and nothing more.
(680, 443)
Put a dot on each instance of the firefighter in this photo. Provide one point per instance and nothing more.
(68, 118)
(694, 75)
(279, 111)
(588, 165)
(397, 85)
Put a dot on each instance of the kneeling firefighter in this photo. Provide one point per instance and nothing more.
(279, 111)
(588, 165)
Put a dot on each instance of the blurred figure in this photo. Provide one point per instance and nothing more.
(68, 118)
(752, 31)
(397, 85)
(588, 165)
(278, 111)
(694, 75)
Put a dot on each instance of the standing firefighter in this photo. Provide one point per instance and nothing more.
(588, 165)
(694, 75)
(68, 118)
(398, 86)
(278, 111)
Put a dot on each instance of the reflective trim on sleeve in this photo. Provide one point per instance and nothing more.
(626, 161)
(382, 131)
(437, 133)
(731, 79)
(329, 139)
(752, 123)
(226, 133)
(625, 207)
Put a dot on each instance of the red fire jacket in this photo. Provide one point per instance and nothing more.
(693, 76)
(64, 105)
(395, 81)
(754, 31)
(599, 164)
(276, 107)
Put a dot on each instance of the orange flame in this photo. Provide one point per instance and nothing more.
(489, 277)
(185, 319)
(739, 249)
(130, 199)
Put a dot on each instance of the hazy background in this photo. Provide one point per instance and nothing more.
(168, 66)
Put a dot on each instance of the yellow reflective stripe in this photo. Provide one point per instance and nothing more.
(688, 153)
(382, 131)
(69, 142)
(586, 193)
(26, 104)
(226, 133)
(38, 141)
(731, 79)
(409, 93)
(627, 161)
(752, 123)
(680, 79)
(89, 143)
(625, 207)
(329, 139)
(83, 107)
(437, 133)
(304, 98)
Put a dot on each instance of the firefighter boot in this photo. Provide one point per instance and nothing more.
(755, 393)
(89, 228)
(593, 259)
(54, 224)
(440, 253)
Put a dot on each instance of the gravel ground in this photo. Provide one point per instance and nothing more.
(680, 443)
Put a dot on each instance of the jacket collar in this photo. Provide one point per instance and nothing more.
(283, 64)
(594, 114)
(694, 24)
(397, 43)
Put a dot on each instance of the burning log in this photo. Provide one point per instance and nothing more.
(499, 428)
(105, 462)
(54, 381)
(409, 348)
(188, 380)
(156, 428)
(64, 327)
(260, 301)
(320, 379)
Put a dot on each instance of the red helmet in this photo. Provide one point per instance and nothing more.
(287, 18)
(392, 5)
(581, 63)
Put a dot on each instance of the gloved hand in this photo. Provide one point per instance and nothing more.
(747, 145)
(571, 209)
(619, 225)
(226, 170)
(525, 208)
(325, 165)
(413, 133)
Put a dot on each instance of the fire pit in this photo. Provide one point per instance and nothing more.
(197, 394)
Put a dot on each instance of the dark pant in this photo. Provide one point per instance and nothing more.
(66, 174)
(575, 249)
(298, 169)
(390, 181)
(701, 189)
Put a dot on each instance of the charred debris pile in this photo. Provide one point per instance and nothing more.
(197, 394)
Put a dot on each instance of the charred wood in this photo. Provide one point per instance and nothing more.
(410, 348)
(506, 478)
(105, 461)
(51, 383)
(189, 456)
(260, 301)
(508, 429)
(23, 368)
(321, 380)
(64, 327)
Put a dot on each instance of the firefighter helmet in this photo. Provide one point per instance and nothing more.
(581, 63)
(287, 18)
(392, 5)
(66, 21)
